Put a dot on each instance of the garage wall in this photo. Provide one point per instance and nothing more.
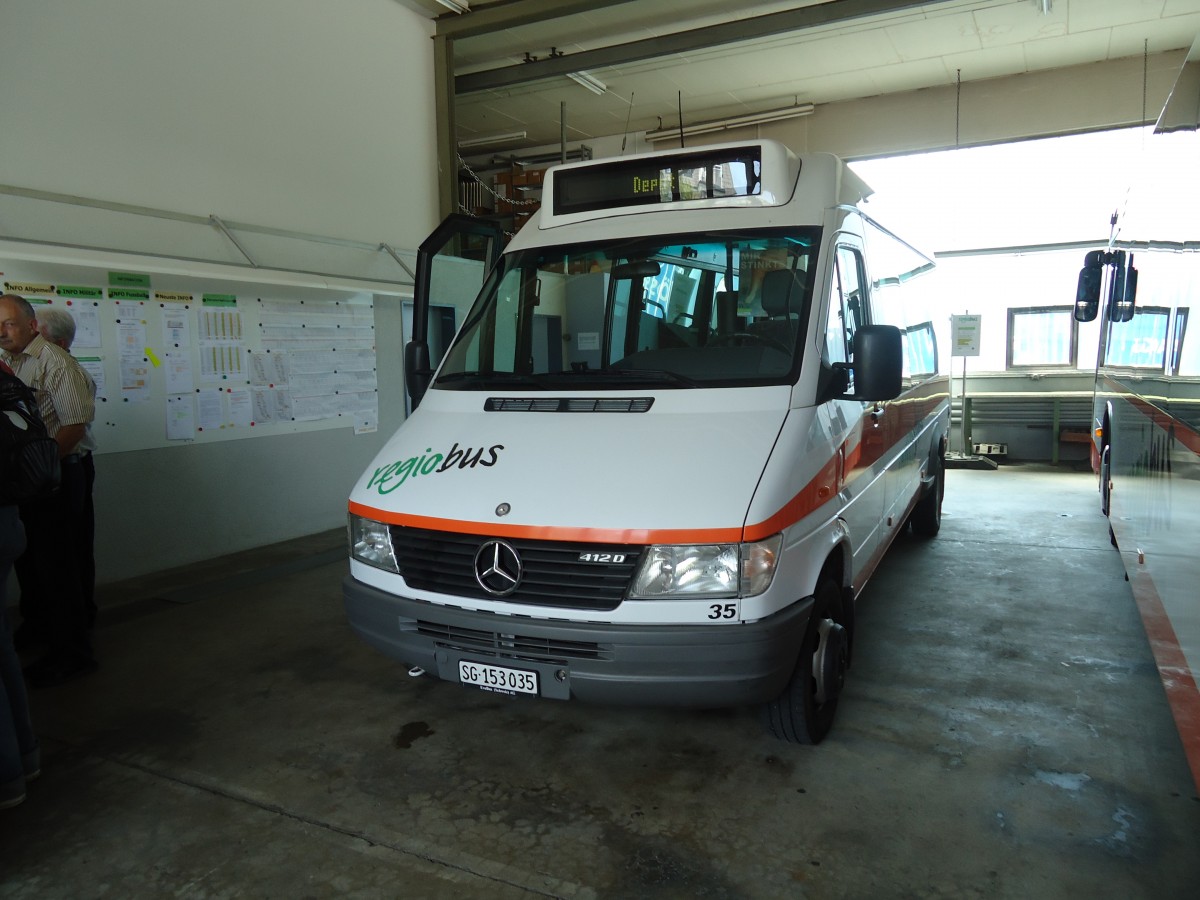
(304, 115)
(1063, 101)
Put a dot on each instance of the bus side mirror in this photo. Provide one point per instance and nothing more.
(1123, 290)
(878, 363)
(1122, 286)
(1087, 293)
(417, 371)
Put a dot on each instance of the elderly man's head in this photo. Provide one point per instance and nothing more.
(18, 323)
(57, 326)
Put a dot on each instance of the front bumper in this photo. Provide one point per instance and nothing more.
(656, 665)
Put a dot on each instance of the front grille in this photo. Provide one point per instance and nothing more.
(553, 574)
(511, 646)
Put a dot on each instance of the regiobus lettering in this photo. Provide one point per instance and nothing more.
(386, 479)
(712, 384)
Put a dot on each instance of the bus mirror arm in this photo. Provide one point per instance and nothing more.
(834, 381)
(417, 371)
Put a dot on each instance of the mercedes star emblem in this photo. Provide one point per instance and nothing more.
(498, 568)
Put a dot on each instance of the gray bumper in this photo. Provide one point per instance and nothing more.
(659, 665)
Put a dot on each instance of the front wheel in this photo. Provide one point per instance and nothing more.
(1106, 490)
(804, 712)
(1106, 480)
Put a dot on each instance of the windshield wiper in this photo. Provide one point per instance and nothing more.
(641, 376)
(480, 377)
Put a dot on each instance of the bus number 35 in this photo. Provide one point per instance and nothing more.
(723, 611)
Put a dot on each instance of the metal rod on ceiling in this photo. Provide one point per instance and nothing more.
(229, 234)
(386, 248)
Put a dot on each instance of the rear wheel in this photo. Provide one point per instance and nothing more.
(804, 712)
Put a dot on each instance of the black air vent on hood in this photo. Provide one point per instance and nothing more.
(568, 404)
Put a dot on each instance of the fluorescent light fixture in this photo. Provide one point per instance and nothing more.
(458, 6)
(488, 140)
(591, 82)
(759, 118)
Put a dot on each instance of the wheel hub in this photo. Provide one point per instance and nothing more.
(829, 662)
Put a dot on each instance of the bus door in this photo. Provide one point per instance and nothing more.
(851, 419)
(452, 264)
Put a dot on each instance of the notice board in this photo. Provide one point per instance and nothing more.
(187, 358)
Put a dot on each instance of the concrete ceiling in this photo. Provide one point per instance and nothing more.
(718, 61)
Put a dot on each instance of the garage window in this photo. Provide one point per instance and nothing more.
(1042, 337)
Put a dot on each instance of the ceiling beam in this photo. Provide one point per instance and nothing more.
(496, 17)
(772, 24)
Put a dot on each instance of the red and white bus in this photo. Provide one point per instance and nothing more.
(1146, 447)
(684, 416)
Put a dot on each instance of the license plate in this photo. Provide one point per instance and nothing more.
(497, 678)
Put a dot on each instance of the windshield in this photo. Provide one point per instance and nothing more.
(704, 310)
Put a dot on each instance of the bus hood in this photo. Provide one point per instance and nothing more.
(684, 471)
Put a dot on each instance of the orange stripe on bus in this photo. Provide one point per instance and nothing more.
(1173, 668)
(812, 496)
(556, 532)
(1184, 433)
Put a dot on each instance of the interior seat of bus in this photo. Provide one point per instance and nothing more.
(784, 302)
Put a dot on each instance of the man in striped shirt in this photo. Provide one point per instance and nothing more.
(49, 570)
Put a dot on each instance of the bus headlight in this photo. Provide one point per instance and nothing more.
(371, 543)
(706, 570)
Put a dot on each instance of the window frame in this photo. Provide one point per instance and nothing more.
(1073, 352)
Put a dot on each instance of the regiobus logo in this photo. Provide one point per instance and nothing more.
(387, 478)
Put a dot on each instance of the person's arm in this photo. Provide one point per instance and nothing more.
(68, 438)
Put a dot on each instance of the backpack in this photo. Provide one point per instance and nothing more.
(29, 465)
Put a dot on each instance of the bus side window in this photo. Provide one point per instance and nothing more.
(845, 307)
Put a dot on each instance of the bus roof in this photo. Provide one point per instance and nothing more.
(743, 175)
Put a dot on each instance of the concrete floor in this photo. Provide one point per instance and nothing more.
(1004, 734)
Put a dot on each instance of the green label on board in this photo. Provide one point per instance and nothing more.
(82, 293)
(220, 299)
(127, 294)
(128, 279)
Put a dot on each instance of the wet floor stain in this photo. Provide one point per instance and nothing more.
(410, 732)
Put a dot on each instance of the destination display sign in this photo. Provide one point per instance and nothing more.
(703, 175)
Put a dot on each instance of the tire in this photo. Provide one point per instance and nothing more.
(926, 517)
(1106, 490)
(804, 712)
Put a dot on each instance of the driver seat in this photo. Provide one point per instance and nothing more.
(784, 300)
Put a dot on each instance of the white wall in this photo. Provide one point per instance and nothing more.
(304, 115)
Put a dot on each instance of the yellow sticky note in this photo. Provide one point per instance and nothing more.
(153, 359)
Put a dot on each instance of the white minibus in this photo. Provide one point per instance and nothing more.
(656, 456)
